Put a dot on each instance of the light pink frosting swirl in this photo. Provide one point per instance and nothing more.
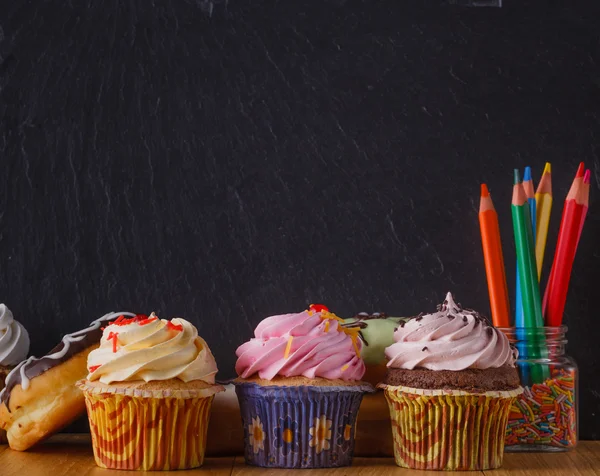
(318, 347)
(450, 339)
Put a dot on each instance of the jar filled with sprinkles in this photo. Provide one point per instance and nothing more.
(545, 416)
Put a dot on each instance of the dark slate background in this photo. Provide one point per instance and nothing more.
(224, 168)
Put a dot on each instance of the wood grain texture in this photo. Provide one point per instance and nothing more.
(360, 466)
(585, 460)
(71, 455)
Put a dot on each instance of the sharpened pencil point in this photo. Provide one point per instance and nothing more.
(527, 174)
(484, 190)
(588, 176)
(548, 168)
(517, 177)
(580, 170)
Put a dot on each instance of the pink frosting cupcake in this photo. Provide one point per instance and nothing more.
(451, 380)
(299, 389)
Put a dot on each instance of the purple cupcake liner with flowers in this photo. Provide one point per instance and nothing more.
(299, 426)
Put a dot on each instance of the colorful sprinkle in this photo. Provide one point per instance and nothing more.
(115, 339)
(174, 327)
(147, 321)
(318, 307)
(288, 347)
(93, 368)
(544, 414)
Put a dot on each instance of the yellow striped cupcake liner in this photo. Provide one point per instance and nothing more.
(448, 429)
(147, 433)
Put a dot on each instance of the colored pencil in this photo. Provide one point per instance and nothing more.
(566, 247)
(494, 260)
(586, 194)
(530, 291)
(529, 192)
(569, 203)
(543, 198)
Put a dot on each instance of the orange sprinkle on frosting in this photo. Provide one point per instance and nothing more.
(115, 339)
(288, 347)
(174, 327)
(327, 325)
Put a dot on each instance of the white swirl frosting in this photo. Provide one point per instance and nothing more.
(151, 349)
(450, 339)
(14, 339)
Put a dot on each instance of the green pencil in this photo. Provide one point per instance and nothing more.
(530, 289)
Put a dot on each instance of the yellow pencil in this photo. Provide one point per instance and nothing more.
(543, 198)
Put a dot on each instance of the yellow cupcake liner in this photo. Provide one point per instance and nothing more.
(146, 433)
(448, 430)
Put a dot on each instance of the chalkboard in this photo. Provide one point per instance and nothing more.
(226, 166)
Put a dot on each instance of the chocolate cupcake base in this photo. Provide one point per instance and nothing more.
(468, 380)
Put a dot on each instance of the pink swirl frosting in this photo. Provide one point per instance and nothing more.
(310, 344)
(450, 339)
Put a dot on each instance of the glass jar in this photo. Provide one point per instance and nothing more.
(545, 416)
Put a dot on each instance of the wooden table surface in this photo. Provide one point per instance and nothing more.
(71, 455)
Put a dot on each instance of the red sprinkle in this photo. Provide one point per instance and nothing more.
(147, 321)
(93, 368)
(318, 307)
(113, 336)
(175, 327)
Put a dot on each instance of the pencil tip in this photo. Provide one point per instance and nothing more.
(588, 176)
(527, 174)
(580, 170)
(517, 177)
(484, 190)
(548, 168)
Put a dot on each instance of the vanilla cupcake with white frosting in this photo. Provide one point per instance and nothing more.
(148, 393)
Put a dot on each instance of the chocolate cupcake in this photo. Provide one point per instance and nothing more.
(451, 380)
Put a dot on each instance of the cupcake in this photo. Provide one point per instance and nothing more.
(300, 389)
(377, 333)
(14, 347)
(148, 394)
(450, 383)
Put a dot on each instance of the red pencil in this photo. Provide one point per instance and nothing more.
(568, 238)
(586, 193)
(570, 197)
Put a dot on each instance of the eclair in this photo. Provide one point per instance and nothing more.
(40, 396)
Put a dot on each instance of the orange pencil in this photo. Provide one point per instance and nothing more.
(494, 261)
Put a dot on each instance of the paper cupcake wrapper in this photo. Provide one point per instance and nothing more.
(147, 434)
(448, 430)
(132, 391)
(299, 427)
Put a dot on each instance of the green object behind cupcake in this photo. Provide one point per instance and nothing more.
(377, 333)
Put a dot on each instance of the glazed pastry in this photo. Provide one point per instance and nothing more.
(376, 333)
(14, 347)
(300, 390)
(40, 396)
(148, 394)
(450, 370)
